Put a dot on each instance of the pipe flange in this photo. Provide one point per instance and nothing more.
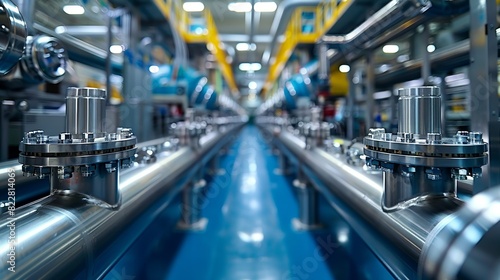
(45, 59)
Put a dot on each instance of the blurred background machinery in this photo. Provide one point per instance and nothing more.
(285, 139)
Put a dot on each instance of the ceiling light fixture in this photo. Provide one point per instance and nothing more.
(344, 68)
(243, 47)
(154, 69)
(116, 49)
(193, 7)
(250, 67)
(431, 48)
(252, 85)
(265, 7)
(240, 7)
(74, 10)
(390, 49)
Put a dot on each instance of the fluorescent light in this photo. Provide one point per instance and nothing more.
(250, 67)
(252, 85)
(390, 49)
(154, 69)
(431, 48)
(74, 10)
(117, 49)
(240, 7)
(242, 47)
(193, 6)
(265, 7)
(344, 68)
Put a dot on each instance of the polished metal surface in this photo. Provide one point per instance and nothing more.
(85, 110)
(419, 111)
(402, 183)
(465, 245)
(85, 159)
(418, 163)
(97, 181)
(13, 40)
(84, 240)
(307, 197)
(45, 59)
(362, 192)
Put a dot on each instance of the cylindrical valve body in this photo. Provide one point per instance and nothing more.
(419, 111)
(85, 110)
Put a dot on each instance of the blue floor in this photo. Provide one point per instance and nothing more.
(249, 235)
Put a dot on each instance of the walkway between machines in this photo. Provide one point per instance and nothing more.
(249, 234)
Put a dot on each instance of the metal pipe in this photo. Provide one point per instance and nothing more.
(82, 240)
(398, 17)
(361, 192)
(392, 14)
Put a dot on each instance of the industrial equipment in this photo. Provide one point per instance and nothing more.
(418, 162)
(187, 84)
(86, 158)
(405, 208)
(45, 60)
(396, 193)
(15, 32)
(66, 221)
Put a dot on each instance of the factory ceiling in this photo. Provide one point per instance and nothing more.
(245, 27)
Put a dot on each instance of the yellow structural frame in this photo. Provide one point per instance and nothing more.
(326, 14)
(209, 36)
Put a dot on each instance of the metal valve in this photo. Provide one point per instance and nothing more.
(417, 161)
(85, 159)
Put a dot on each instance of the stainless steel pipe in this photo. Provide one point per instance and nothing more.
(69, 237)
(362, 193)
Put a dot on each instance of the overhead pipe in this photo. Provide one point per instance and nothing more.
(70, 237)
(390, 22)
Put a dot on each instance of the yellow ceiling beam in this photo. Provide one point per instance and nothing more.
(209, 36)
(326, 15)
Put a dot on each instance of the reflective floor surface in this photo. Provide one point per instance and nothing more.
(249, 235)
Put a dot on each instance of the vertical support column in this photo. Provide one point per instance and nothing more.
(370, 90)
(4, 128)
(109, 41)
(284, 164)
(191, 212)
(483, 77)
(307, 197)
(426, 61)
(214, 166)
(350, 105)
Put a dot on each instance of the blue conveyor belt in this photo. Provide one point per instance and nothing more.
(250, 234)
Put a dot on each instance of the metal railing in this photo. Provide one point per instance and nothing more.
(304, 30)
